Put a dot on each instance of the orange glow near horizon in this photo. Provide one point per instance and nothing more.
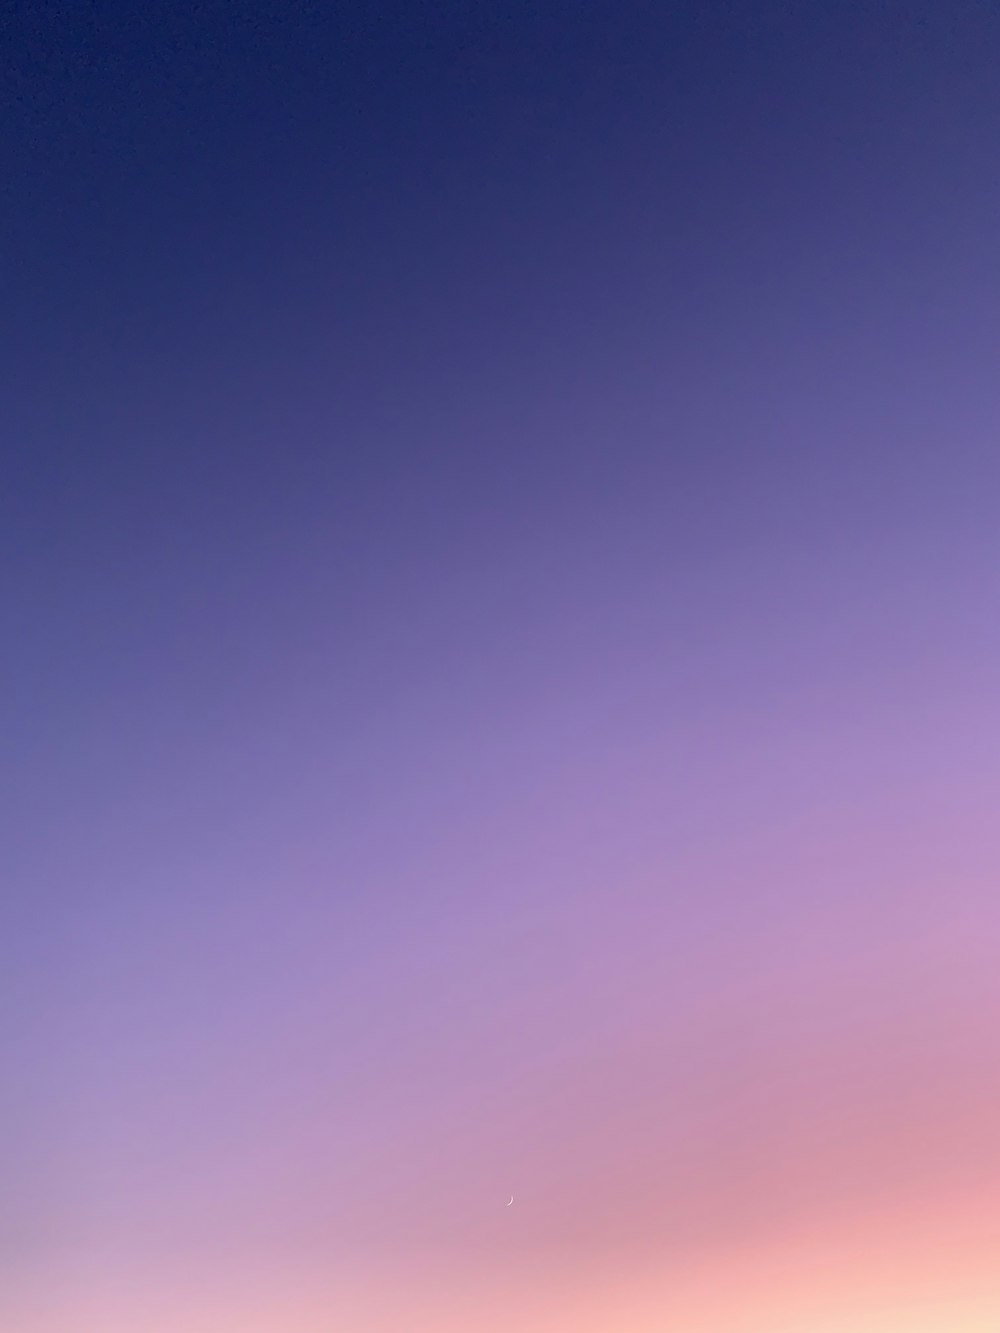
(914, 1271)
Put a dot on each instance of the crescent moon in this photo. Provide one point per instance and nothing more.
(510, 1201)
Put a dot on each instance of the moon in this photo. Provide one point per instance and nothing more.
(510, 1201)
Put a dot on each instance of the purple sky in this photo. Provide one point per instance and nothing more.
(499, 566)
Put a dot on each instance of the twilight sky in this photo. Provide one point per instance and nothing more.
(499, 572)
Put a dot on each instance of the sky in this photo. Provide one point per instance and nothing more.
(498, 576)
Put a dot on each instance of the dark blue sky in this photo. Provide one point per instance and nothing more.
(257, 252)
(229, 201)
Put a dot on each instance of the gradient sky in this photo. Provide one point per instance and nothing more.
(499, 571)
